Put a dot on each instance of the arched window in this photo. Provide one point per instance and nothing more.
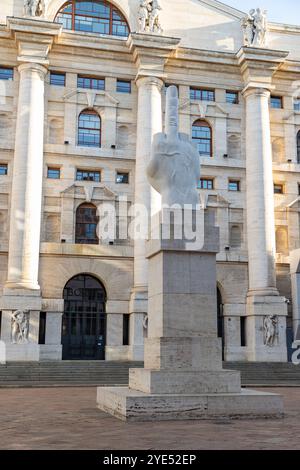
(89, 129)
(96, 16)
(298, 147)
(86, 224)
(202, 135)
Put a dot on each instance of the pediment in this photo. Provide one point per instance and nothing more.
(216, 200)
(89, 190)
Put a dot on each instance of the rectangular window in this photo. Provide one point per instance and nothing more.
(125, 330)
(123, 86)
(278, 189)
(42, 328)
(297, 105)
(243, 331)
(122, 177)
(6, 73)
(233, 185)
(92, 83)
(57, 79)
(53, 173)
(276, 102)
(202, 94)
(232, 97)
(206, 183)
(299, 189)
(86, 175)
(3, 169)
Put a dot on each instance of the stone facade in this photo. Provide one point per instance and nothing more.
(253, 144)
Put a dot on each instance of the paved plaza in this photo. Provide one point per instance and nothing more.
(67, 418)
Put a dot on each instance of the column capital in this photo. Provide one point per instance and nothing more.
(34, 38)
(259, 65)
(150, 53)
(256, 91)
(32, 66)
(149, 81)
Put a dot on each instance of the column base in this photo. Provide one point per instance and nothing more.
(138, 309)
(263, 344)
(22, 352)
(22, 285)
(131, 405)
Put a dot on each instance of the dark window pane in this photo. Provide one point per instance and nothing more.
(90, 82)
(123, 86)
(3, 169)
(86, 224)
(93, 17)
(202, 94)
(278, 188)
(276, 102)
(234, 186)
(6, 73)
(89, 129)
(232, 97)
(122, 178)
(58, 79)
(202, 136)
(53, 173)
(205, 183)
(85, 175)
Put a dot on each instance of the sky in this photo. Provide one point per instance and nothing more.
(279, 11)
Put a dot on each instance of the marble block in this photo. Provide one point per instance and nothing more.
(183, 376)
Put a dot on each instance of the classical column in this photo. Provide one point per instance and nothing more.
(26, 196)
(149, 122)
(266, 310)
(260, 197)
(263, 299)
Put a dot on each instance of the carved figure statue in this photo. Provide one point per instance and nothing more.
(143, 18)
(20, 326)
(260, 28)
(148, 16)
(34, 8)
(174, 169)
(154, 24)
(254, 27)
(270, 330)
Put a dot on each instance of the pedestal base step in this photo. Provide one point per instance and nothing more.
(131, 405)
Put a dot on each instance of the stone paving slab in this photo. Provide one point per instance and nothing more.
(67, 418)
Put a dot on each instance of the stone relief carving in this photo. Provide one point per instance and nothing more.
(20, 326)
(270, 330)
(148, 17)
(174, 169)
(34, 8)
(254, 27)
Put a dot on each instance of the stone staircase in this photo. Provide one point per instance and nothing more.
(267, 374)
(65, 373)
(93, 373)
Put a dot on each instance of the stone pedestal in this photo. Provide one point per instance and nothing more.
(183, 376)
(21, 299)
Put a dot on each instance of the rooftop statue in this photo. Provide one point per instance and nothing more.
(34, 8)
(148, 17)
(254, 27)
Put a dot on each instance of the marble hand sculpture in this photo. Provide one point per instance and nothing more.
(174, 169)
